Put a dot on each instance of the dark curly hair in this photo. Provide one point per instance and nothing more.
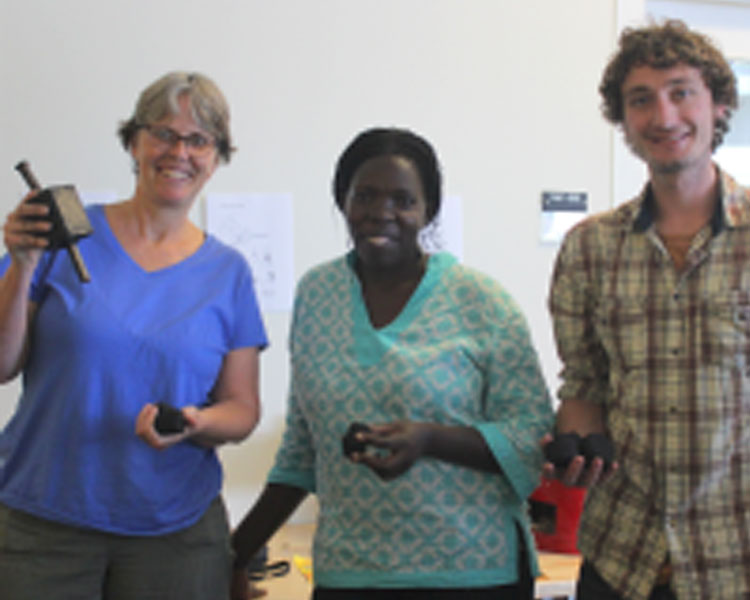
(663, 46)
(380, 141)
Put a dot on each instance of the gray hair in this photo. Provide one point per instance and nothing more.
(208, 108)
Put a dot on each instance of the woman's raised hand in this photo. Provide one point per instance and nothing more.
(21, 231)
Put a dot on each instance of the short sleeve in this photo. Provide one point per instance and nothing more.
(249, 329)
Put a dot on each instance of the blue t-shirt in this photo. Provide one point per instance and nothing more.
(99, 352)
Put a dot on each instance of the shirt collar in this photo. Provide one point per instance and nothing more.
(732, 209)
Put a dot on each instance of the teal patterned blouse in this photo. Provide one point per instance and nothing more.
(459, 353)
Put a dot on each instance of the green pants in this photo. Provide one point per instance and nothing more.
(42, 559)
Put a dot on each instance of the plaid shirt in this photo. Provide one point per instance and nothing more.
(667, 353)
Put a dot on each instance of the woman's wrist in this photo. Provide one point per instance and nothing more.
(430, 441)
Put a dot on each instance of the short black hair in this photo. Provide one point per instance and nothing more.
(390, 141)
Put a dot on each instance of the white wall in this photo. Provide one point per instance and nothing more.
(505, 90)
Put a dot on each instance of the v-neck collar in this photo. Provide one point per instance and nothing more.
(371, 344)
(104, 226)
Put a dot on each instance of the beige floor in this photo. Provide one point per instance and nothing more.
(557, 580)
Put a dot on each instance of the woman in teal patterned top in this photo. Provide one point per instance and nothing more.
(437, 360)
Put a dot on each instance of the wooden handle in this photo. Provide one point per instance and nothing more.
(25, 170)
(80, 266)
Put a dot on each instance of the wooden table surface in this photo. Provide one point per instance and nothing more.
(559, 571)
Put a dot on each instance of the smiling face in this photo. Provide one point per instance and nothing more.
(385, 209)
(173, 173)
(669, 117)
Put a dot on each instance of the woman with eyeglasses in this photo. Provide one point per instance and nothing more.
(96, 501)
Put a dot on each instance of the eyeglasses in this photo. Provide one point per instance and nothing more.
(196, 143)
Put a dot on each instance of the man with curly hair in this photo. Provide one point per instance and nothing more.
(651, 308)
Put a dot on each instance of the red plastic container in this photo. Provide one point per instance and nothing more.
(555, 513)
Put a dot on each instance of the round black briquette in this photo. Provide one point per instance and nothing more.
(169, 419)
(349, 443)
(598, 444)
(562, 449)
